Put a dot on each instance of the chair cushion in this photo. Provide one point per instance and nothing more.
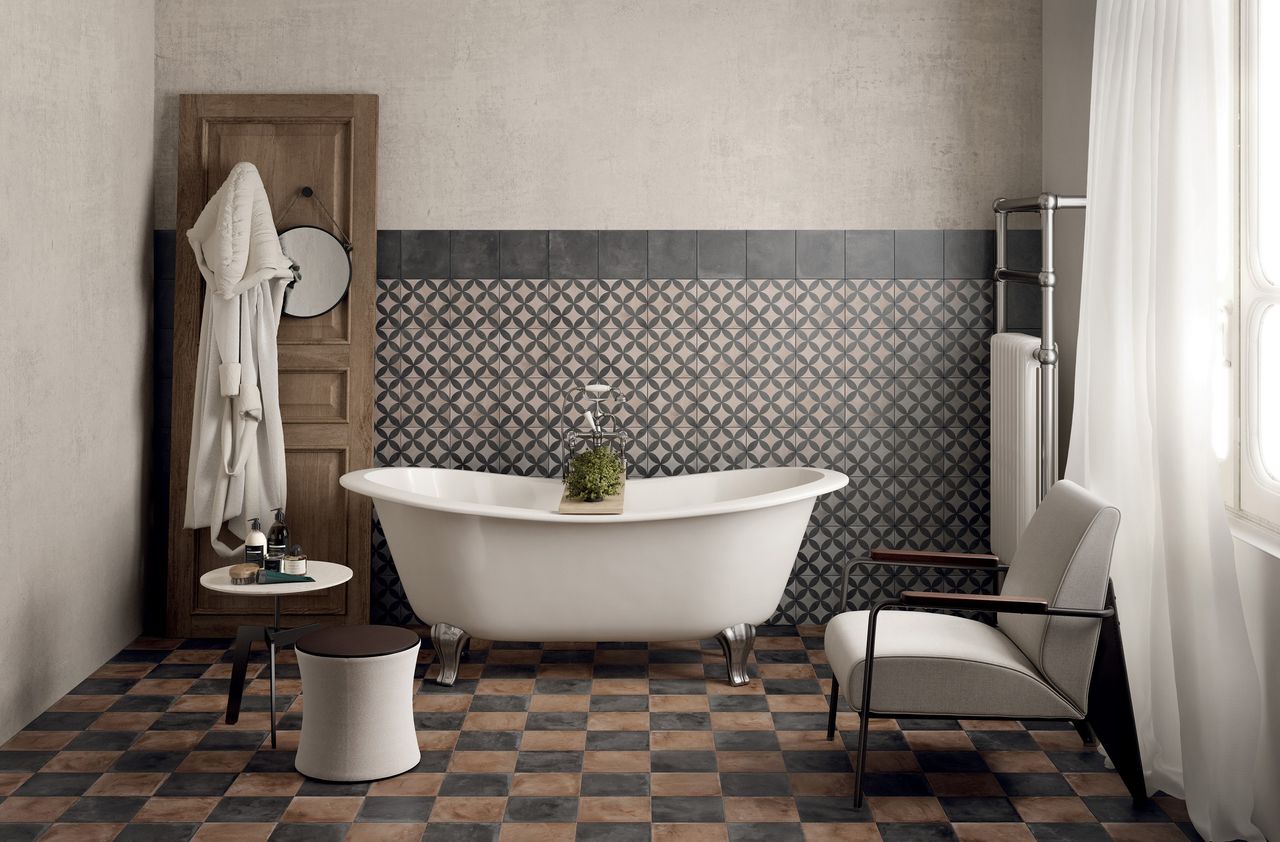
(930, 664)
(357, 641)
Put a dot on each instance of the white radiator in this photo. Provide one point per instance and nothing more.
(1015, 445)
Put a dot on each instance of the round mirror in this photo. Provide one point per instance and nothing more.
(324, 267)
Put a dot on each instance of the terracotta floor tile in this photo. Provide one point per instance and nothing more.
(1174, 808)
(1018, 761)
(176, 809)
(684, 783)
(750, 761)
(615, 761)
(991, 725)
(117, 721)
(483, 761)
(537, 832)
(494, 722)
(553, 741)
(570, 702)
(332, 809)
(167, 740)
(127, 783)
(808, 741)
(757, 721)
(215, 761)
(504, 687)
(193, 656)
(786, 671)
(681, 741)
(906, 809)
(437, 740)
(23, 809)
(761, 809)
(82, 761)
(385, 832)
(564, 784)
(690, 832)
(798, 704)
(442, 702)
(840, 833)
(892, 761)
(821, 783)
(161, 686)
(617, 721)
(992, 832)
(1058, 740)
(965, 783)
(754, 687)
(122, 670)
(468, 809)
(678, 704)
(234, 832)
(1099, 783)
(619, 687)
(938, 740)
(39, 741)
(266, 784)
(613, 809)
(564, 671)
(774, 643)
(1052, 809)
(411, 783)
(9, 781)
(82, 832)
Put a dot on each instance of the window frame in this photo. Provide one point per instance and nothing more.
(1253, 492)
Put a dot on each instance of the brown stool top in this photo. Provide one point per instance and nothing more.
(357, 641)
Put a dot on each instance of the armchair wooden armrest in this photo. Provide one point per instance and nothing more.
(925, 558)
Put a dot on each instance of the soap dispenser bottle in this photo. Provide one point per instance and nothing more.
(277, 542)
(255, 544)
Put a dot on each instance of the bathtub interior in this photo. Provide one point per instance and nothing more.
(643, 496)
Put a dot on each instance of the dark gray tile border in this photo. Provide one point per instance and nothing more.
(624, 254)
(523, 254)
(820, 254)
(574, 254)
(722, 254)
(473, 254)
(868, 254)
(388, 261)
(968, 254)
(1023, 249)
(673, 254)
(423, 254)
(771, 254)
(917, 254)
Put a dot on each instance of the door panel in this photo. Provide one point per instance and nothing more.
(327, 143)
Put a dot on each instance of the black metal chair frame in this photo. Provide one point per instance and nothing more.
(1109, 714)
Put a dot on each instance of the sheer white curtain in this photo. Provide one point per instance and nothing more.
(1157, 245)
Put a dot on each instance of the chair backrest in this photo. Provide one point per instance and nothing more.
(1064, 556)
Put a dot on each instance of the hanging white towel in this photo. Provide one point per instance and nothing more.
(237, 468)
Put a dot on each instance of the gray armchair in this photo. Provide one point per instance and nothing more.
(1055, 652)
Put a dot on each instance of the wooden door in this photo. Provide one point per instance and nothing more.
(329, 143)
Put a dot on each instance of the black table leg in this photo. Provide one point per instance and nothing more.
(245, 636)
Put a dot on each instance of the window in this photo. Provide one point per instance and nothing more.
(1256, 468)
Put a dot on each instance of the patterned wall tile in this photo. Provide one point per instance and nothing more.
(879, 378)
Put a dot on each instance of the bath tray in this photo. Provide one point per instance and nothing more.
(611, 505)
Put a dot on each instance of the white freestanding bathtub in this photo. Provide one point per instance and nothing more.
(691, 556)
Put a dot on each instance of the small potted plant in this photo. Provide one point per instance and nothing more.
(594, 474)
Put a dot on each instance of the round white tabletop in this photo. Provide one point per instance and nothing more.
(326, 575)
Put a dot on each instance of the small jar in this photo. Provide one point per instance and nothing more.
(294, 562)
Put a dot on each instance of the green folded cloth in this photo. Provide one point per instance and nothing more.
(275, 577)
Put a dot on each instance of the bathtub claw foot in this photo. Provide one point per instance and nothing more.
(449, 643)
(737, 642)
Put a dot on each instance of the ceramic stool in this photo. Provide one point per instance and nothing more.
(357, 713)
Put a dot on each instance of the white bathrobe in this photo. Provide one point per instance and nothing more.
(237, 468)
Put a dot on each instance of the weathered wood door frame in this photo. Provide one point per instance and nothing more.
(344, 356)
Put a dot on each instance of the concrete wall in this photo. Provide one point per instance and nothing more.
(661, 114)
(1067, 73)
(75, 231)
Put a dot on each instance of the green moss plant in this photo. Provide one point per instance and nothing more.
(594, 474)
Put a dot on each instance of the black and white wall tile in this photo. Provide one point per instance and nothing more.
(860, 351)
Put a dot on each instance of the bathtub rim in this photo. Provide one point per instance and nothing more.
(825, 482)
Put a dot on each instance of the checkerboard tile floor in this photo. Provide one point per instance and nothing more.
(566, 741)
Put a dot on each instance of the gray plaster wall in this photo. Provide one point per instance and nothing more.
(655, 114)
(76, 127)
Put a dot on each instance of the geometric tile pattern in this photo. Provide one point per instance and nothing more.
(884, 379)
(614, 742)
